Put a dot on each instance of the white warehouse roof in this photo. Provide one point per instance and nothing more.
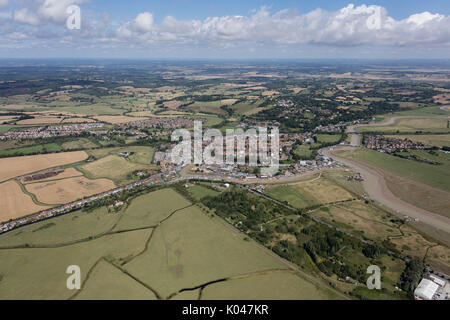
(426, 289)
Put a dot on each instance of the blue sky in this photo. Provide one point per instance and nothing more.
(200, 9)
(227, 29)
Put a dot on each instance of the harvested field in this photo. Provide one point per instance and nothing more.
(269, 93)
(166, 88)
(68, 190)
(67, 173)
(18, 106)
(40, 120)
(14, 203)
(4, 119)
(173, 104)
(77, 120)
(17, 166)
(227, 102)
(442, 98)
(118, 119)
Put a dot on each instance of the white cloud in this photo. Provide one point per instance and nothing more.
(424, 17)
(47, 11)
(24, 16)
(144, 22)
(348, 26)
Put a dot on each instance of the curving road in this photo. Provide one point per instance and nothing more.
(375, 186)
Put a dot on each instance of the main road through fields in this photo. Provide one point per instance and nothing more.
(375, 186)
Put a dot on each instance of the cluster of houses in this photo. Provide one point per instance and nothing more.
(391, 145)
(163, 123)
(50, 131)
(332, 128)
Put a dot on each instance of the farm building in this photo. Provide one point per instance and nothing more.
(425, 290)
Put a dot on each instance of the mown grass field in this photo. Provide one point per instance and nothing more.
(328, 138)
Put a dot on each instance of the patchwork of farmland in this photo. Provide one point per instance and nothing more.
(174, 250)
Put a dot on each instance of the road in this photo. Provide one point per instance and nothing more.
(185, 172)
(375, 186)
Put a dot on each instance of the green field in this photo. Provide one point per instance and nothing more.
(433, 175)
(411, 125)
(90, 110)
(207, 107)
(49, 147)
(149, 209)
(303, 151)
(309, 193)
(328, 138)
(199, 191)
(426, 111)
(81, 143)
(5, 128)
(112, 167)
(289, 285)
(123, 258)
(292, 196)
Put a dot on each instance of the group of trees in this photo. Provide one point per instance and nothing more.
(411, 276)
(235, 203)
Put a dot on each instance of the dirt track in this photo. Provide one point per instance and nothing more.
(375, 186)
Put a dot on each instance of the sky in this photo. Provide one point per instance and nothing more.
(218, 29)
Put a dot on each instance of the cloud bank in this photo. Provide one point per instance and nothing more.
(27, 21)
